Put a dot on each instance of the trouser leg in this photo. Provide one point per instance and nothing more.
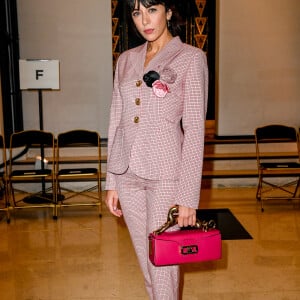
(145, 204)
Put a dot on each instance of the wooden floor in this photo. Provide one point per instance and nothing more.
(83, 257)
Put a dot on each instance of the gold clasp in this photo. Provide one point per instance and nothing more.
(172, 220)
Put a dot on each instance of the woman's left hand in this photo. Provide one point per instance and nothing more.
(186, 216)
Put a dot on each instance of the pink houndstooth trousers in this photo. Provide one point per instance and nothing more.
(145, 205)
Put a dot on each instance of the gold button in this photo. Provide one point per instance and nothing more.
(136, 119)
(137, 101)
(138, 83)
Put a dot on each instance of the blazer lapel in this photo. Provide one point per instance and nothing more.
(137, 58)
(166, 55)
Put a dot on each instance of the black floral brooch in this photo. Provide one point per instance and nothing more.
(159, 82)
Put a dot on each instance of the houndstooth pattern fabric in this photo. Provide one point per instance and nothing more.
(145, 131)
(145, 204)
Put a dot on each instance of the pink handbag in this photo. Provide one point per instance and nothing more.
(201, 243)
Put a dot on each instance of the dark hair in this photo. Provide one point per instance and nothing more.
(173, 24)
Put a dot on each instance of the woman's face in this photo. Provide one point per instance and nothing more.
(151, 22)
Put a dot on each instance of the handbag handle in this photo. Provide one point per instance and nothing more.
(172, 220)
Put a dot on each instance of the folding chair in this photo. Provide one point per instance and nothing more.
(31, 178)
(78, 173)
(4, 200)
(277, 151)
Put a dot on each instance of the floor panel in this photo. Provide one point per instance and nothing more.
(82, 256)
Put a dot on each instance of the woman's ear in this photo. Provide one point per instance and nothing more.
(169, 15)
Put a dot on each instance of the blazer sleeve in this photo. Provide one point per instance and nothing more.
(195, 94)
(114, 120)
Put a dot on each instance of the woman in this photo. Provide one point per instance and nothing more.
(156, 135)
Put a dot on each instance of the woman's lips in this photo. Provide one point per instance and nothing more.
(148, 31)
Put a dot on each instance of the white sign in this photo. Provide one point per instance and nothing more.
(39, 74)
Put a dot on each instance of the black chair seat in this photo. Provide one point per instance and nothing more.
(283, 165)
(76, 172)
(31, 173)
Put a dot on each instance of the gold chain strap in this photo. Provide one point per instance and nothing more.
(172, 220)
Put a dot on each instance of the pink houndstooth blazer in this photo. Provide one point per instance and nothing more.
(160, 138)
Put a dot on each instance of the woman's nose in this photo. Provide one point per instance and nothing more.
(145, 19)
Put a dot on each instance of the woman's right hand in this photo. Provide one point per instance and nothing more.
(112, 200)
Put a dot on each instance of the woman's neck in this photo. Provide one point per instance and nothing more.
(155, 47)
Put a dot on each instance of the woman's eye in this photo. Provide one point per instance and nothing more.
(135, 13)
(152, 10)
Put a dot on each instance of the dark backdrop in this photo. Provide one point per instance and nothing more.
(9, 69)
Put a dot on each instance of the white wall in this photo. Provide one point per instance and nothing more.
(78, 34)
(258, 65)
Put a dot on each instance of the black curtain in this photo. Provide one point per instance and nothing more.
(9, 69)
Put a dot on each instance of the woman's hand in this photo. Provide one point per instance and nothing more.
(112, 200)
(186, 216)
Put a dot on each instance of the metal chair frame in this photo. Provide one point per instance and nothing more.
(5, 205)
(32, 170)
(276, 137)
(82, 169)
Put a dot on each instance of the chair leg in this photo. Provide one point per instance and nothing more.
(259, 188)
(297, 188)
(7, 204)
(55, 204)
(259, 194)
(5, 209)
(261, 206)
(99, 195)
